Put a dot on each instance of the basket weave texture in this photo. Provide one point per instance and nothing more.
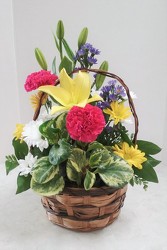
(81, 210)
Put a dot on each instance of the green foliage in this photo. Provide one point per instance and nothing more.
(60, 123)
(68, 50)
(117, 174)
(54, 65)
(20, 148)
(59, 152)
(23, 183)
(43, 170)
(37, 152)
(52, 187)
(82, 37)
(76, 165)
(148, 147)
(49, 131)
(147, 172)
(153, 162)
(67, 64)
(99, 77)
(41, 59)
(139, 181)
(89, 180)
(10, 163)
(100, 158)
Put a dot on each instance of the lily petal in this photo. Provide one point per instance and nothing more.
(56, 109)
(82, 86)
(66, 82)
(95, 98)
(59, 94)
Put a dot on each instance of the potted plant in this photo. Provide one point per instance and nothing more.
(77, 152)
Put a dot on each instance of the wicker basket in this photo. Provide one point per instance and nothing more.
(81, 210)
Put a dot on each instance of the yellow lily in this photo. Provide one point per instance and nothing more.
(71, 92)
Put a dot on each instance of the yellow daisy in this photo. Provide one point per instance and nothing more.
(35, 99)
(118, 112)
(18, 131)
(132, 155)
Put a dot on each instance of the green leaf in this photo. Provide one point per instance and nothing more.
(41, 59)
(89, 180)
(20, 148)
(75, 164)
(148, 147)
(95, 146)
(82, 37)
(23, 183)
(68, 50)
(67, 64)
(61, 125)
(53, 187)
(10, 163)
(43, 171)
(153, 162)
(117, 174)
(37, 152)
(56, 42)
(54, 65)
(60, 152)
(100, 78)
(100, 158)
(60, 30)
(48, 130)
(147, 172)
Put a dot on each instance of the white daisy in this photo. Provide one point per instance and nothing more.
(132, 94)
(25, 166)
(32, 135)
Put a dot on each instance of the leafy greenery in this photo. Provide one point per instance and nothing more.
(11, 163)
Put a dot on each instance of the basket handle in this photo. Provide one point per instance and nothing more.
(111, 75)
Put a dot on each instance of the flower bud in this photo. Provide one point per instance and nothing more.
(41, 59)
(60, 30)
(83, 37)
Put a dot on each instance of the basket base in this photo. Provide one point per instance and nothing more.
(84, 213)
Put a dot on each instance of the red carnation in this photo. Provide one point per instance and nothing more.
(85, 124)
(37, 79)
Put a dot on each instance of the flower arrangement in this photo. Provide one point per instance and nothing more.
(78, 136)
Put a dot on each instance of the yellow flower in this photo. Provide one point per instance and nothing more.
(35, 100)
(132, 155)
(71, 92)
(118, 112)
(18, 131)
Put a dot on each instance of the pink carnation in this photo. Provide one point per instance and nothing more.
(37, 79)
(85, 124)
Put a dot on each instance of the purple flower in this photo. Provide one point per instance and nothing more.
(120, 91)
(86, 55)
(92, 60)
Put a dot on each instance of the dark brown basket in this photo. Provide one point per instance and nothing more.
(81, 210)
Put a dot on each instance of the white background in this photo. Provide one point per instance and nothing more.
(132, 36)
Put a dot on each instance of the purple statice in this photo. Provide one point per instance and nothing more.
(110, 93)
(86, 55)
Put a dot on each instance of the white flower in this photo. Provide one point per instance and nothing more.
(132, 94)
(33, 137)
(25, 166)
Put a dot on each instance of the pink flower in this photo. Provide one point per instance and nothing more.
(37, 79)
(85, 124)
